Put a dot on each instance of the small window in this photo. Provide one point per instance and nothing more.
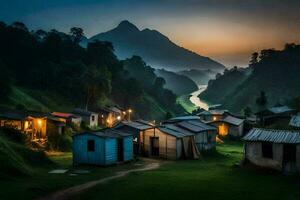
(267, 150)
(93, 118)
(91, 145)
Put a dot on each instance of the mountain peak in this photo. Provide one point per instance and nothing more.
(126, 25)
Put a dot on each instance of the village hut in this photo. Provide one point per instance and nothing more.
(295, 121)
(55, 126)
(205, 135)
(212, 115)
(137, 128)
(33, 124)
(68, 118)
(276, 149)
(102, 148)
(36, 126)
(110, 116)
(88, 117)
(169, 142)
(229, 126)
(274, 114)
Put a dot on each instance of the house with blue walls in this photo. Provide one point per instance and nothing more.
(106, 147)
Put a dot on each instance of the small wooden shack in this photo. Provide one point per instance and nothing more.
(169, 142)
(137, 128)
(212, 115)
(33, 124)
(102, 148)
(205, 135)
(274, 114)
(276, 149)
(88, 117)
(68, 118)
(110, 116)
(229, 126)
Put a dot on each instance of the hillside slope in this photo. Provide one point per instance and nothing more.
(155, 48)
(200, 77)
(276, 73)
(179, 84)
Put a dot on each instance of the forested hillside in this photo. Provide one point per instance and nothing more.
(179, 84)
(50, 70)
(200, 77)
(273, 74)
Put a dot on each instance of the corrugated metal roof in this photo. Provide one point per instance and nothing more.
(188, 117)
(138, 125)
(171, 132)
(295, 121)
(183, 131)
(83, 112)
(280, 109)
(106, 133)
(195, 126)
(276, 136)
(233, 120)
(218, 112)
(61, 114)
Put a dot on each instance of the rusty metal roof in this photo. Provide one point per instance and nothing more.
(270, 135)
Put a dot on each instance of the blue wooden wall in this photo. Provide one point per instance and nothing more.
(128, 148)
(105, 150)
(80, 153)
(111, 150)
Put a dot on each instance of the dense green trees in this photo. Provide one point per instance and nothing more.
(275, 72)
(54, 62)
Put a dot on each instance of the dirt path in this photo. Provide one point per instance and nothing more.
(67, 193)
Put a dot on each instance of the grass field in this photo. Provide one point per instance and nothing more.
(214, 177)
(41, 183)
(185, 102)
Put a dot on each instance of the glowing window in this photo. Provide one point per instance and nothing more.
(223, 130)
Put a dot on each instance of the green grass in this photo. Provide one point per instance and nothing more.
(36, 100)
(213, 177)
(185, 102)
(41, 183)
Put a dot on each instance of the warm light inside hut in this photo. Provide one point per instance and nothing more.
(40, 123)
(223, 130)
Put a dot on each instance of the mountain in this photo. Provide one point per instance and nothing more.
(179, 84)
(155, 48)
(276, 73)
(200, 77)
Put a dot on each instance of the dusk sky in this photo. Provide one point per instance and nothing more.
(225, 30)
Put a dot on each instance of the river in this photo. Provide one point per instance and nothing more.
(196, 100)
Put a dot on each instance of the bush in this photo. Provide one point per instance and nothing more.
(61, 142)
(14, 135)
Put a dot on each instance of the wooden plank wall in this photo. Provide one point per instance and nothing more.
(167, 144)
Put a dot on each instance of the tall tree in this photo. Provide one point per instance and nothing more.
(77, 34)
(254, 58)
(262, 99)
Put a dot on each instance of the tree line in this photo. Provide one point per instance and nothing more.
(53, 61)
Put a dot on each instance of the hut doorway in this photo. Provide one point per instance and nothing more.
(120, 150)
(154, 145)
(289, 153)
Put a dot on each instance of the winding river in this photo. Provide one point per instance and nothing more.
(196, 100)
